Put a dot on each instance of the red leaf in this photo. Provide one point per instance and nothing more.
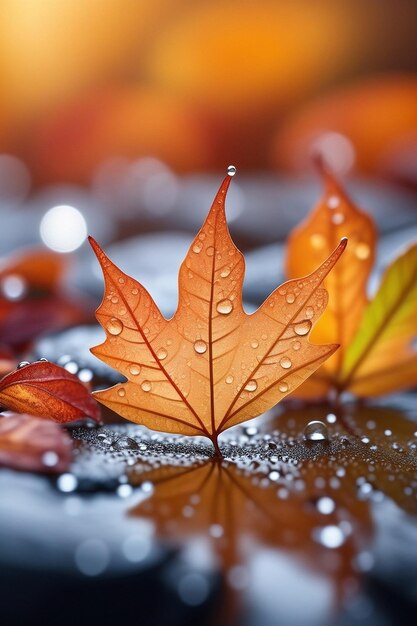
(33, 444)
(47, 390)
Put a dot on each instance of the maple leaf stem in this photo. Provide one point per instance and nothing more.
(218, 452)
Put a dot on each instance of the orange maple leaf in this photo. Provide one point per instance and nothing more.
(376, 338)
(212, 365)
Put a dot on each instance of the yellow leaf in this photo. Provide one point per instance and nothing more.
(382, 357)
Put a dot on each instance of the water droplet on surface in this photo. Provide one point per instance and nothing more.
(125, 443)
(50, 458)
(200, 346)
(121, 392)
(162, 354)
(333, 202)
(23, 364)
(197, 247)
(254, 344)
(231, 170)
(302, 328)
(146, 385)
(224, 307)
(316, 431)
(329, 536)
(121, 280)
(296, 345)
(290, 298)
(362, 251)
(115, 299)
(283, 387)
(325, 505)
(114, 326)
(67, 483)
(135, 291)
(225, 272)
(134, 369)
(229, 380)
(251, 385)
(210, 251)
(285, 362)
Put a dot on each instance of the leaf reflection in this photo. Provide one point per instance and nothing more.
(312, 502)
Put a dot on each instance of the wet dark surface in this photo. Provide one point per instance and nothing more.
(153, 526)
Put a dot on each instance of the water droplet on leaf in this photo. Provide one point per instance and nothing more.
(302, 328)
(224, 307)
(251, 385)
(231, 170)
(200, 346)
(114, 326)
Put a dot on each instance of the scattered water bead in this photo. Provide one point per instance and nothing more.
(146, 385)
(121, 280)
(162, 354)
(50, 458)
(283, 387)
(302, 328)
(224, 307)
(333, 202)
(325, 505)
(329, 536)
(135, 291)
(229, 380)
(254, 344)
(317, 241)
(114, 326)
(210, 251)
(251, 385)
(67, 483)
(285, 362)
(338, 218)
(316, 431)
(197, 247)
(362, 251)
(225, 272)
(290, 298)
(231, 170)
(216, 531)
(309, 312)
(125, 443)
(296, 345)
(23, 364)
(200, 346)
(115, 299)
(121, 392)
(134, 369)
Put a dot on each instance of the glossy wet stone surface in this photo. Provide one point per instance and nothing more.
(278, 518)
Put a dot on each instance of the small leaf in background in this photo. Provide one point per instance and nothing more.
(32, 444)
(377, 353)
(383, 355)
(48, 390)
(32, 298)
(212, 365)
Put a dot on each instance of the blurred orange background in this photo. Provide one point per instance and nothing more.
(201, 84)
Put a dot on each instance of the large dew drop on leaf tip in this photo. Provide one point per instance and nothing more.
(231, 170)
